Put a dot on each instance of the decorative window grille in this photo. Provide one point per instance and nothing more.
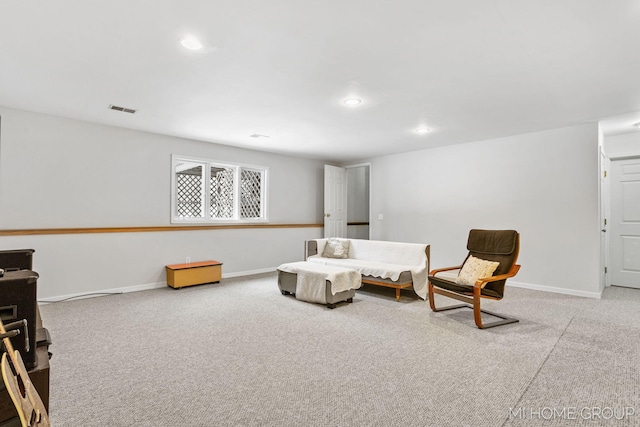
(221, 188)
(206, 191)
(189, 191)
(250, 193)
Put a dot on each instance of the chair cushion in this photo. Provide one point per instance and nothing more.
(462, 289)
(495, 242)
(495, 245)
(474, 269)
(501, 246)
(336, 248)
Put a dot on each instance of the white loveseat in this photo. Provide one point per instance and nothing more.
(391, 264)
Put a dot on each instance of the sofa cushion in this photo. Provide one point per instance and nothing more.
(336, 248)
(474, 269)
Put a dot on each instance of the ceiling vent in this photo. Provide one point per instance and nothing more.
(123, 109)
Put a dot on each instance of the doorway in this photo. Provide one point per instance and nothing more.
(358, 201)
(347, 195)
(624, 241)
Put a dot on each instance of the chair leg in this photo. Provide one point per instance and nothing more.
(478, 316)
(473, 303)
(432, 302)
(478, 319)
(505, 320)
(477, 311)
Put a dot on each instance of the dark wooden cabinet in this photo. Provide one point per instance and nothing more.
(18, 300)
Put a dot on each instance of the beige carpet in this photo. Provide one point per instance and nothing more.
(240, 354)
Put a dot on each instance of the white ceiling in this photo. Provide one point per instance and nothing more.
(468, 69)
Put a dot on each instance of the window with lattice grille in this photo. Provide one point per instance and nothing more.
(250, 193)
(189, 191)
(210, 191)
(221, 192)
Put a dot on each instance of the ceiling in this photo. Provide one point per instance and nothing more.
(467, 69)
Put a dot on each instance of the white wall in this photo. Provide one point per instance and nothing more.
(57, 172)
(544, 184)
(622, 145)
(62, 173)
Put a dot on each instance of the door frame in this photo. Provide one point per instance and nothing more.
(604, 216)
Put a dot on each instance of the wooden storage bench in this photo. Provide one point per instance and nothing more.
(193, 273)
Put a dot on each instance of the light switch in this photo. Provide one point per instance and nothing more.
(380, 217)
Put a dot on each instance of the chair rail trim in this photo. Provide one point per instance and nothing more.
(148, 229)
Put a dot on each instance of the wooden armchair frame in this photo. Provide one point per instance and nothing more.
(473, 298)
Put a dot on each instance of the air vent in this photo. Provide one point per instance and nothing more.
(123, 109)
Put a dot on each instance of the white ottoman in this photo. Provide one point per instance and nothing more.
(323, 284)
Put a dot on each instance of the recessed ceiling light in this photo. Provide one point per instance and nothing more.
(423, 130)
(637, 125)
(190, 43)
(352, 101)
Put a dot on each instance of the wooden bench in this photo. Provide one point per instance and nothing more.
(193, 273)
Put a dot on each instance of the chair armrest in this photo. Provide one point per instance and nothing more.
(482, 282)
(440, 270)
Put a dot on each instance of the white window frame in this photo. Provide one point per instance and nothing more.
(237, 168)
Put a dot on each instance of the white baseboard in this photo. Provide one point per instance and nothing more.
(137, 288)
(574, 292)
(148, 286)
(248, 273)
(102, 292)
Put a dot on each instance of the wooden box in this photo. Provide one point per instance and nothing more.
(193, 273)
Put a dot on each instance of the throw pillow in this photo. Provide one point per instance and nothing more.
(474, 269)
(336, 248)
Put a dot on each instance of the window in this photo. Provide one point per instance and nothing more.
(212, 191)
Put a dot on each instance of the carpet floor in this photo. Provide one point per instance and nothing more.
(239, 353)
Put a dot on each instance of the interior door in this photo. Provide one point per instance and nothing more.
(625, 223)
(335, 201)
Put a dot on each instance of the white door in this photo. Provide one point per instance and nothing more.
(335, 201)
(625, 223)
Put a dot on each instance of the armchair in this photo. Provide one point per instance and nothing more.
(493, 249)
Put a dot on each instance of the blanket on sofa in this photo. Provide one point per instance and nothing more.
(383, 259)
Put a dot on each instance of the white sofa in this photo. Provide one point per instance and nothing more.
(391, 264)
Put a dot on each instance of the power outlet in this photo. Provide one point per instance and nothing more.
(188, 261)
